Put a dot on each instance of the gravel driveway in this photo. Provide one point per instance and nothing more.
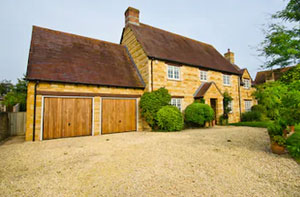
(221, 161)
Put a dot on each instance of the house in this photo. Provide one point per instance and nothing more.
(81, 86)
(189, 69)
(270, 75)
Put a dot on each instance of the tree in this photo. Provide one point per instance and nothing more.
(226, 100)
(291, 75)
(17, 94)
(281, 46)
(5, 87)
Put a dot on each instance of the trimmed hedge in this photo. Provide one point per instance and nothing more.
(251, 116)
(169, 118)
(198, 113)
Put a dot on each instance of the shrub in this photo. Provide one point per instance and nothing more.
(279, 140)
(198, 113)
(223, 120)
(151, 102)
(259, 108)
(169, 118)
(293, 145)
(274, 130)
(251, 116)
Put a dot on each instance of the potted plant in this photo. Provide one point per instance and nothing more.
(276, 132)
(278, 144)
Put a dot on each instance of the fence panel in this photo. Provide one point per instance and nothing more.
(17, 123)
(4, 128)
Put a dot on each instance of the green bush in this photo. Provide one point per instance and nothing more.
(223, 120)
(275, 129)
(151, 102)
(198, 114)
(293, 145)
(251, 116)
(279, 140)
(259, 108)
(169, 118)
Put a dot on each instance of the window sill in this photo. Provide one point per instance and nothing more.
(203, 80)
(174, 79)
(227, 85)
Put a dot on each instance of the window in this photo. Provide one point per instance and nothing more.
(203, 75)
(226, 80)
(176, 102)
(246, 83)
(230, 105)
(248, 105)
(173, 72)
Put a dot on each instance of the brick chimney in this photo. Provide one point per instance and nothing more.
(229, 56)
(132, 16)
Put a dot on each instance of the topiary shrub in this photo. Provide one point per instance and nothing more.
(169, 118)
(251, 116)
(198, 114)
(293, 145)
(151, 102)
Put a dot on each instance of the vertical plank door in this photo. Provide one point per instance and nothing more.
(118, 115)
(67, 117)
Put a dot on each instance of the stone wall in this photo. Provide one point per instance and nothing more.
(60, 87)
(138, 55)
(190, 81)
(246, 94)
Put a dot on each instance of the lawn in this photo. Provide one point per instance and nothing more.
(261, 124)
(235, 161)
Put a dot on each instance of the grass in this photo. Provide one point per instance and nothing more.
(253, 124)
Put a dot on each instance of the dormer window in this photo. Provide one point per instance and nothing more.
(203, 75)
(173, 72)
(246, 83)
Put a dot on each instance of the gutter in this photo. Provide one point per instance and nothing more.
(151, 74)
(240, 105)
(34, 110)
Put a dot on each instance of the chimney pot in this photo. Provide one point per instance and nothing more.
(132, 16)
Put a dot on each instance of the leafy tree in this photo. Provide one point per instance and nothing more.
(290, 110)
(5, 87)
(17, 95)
(291, 75)
(269, 95)
(281, 46)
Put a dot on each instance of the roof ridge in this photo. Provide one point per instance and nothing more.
(74, 35)
(177, 34)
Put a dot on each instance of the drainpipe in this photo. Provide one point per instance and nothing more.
(34, 110)
(151, 74)
(240, 98)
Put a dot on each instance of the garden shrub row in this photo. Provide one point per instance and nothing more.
(160, 115)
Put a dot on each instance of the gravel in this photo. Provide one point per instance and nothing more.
(220, 161)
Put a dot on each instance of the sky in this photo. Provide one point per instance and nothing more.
(233, 24)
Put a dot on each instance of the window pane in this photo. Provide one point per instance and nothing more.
(170, 72)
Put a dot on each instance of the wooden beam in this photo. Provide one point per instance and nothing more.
(53, 93)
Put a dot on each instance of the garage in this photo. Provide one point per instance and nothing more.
(67, 117)
(118, 115)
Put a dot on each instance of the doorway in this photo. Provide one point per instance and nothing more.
(213, 104)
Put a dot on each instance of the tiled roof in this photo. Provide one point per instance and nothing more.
(164, 45)
(63, 57)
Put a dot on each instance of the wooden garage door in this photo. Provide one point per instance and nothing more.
(118, 115)
(67, 117)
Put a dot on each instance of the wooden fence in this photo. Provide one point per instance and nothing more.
(12, 124)
(17, 123)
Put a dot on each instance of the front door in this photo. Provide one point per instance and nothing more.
(213, 104)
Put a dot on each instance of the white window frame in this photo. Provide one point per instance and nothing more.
(177, 102)
(230, 105)
(203, 75)
(246, 83)
(226, 80)
(173, 72)
(248, 105)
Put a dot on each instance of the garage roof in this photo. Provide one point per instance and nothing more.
(164, 45)
(62, 57)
